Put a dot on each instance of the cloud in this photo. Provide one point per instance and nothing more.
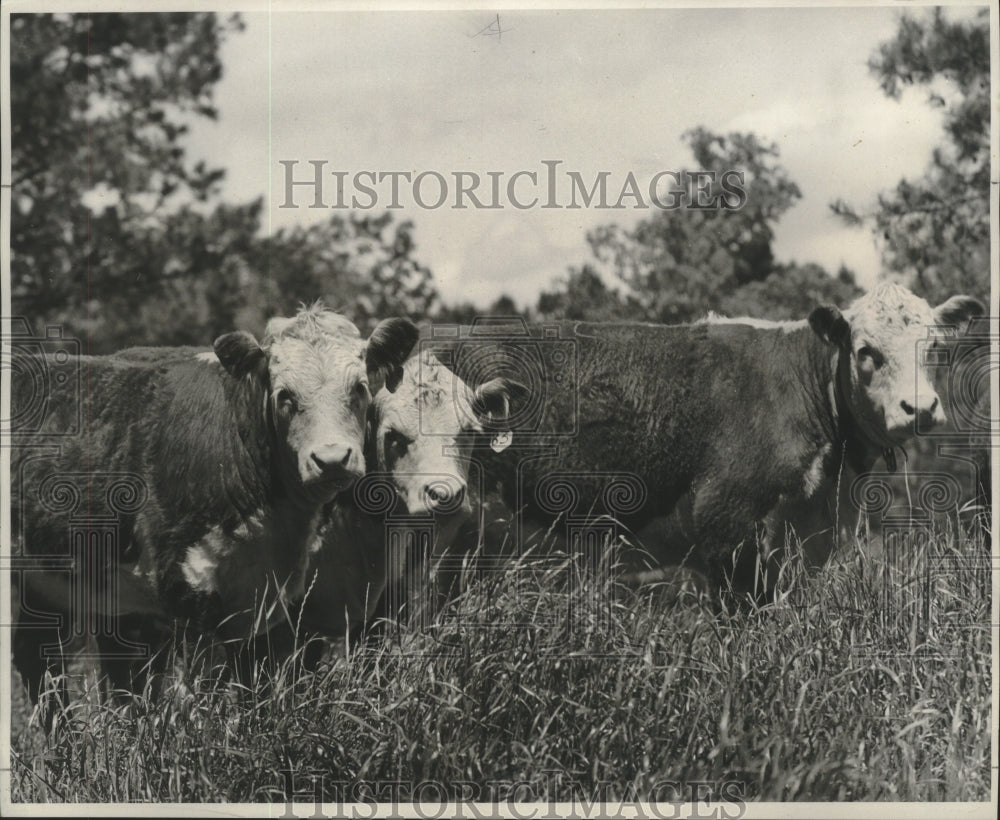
(600, 90)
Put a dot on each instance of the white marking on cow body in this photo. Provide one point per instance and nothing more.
(785, 326)
(200, 565)
(813, 478)
(207, 356)
(252, 566)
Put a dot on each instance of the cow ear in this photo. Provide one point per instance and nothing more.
(830, 325)
(958, 309)
(492, 399)
(239, 353)
(275, 326)
(388, 347)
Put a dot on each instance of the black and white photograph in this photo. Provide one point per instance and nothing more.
(517, 410)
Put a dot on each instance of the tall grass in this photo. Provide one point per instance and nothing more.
(574, 688)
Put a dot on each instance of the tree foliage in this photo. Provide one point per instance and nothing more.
(99, 104)
(361, 265)
(119, 237)
(936, 228)
(583, 294)
(678, 264)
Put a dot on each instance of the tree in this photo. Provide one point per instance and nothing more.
(98, 108)
(936, 229)
(362, 266)
(456, 313)
(121, 239)
(791, 291)
(180, 280)
(678, 264)
(584, 295)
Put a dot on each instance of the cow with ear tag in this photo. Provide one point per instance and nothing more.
(741, 428)
(227, 457)
(422, 425)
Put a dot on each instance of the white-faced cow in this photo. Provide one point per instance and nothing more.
(738, 428)
(193, 487)
(422, 429)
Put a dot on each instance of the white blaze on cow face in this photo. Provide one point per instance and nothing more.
(316, 370)
(422, 436)
(319, 397)
(423, 432)
(885, 380)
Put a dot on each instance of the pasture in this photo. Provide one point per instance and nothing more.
(501, 516)
(846, 687)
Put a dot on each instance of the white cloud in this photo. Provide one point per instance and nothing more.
(611, 90)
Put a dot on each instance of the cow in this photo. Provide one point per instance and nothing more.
(423, 427)
(737, 429)
(193, 487)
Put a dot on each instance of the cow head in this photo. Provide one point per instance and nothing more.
(316, 370)
(422, 432)
(886, 386)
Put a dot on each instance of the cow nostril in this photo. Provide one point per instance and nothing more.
(347, 457)
(907, 408)
(440, 495)
(934, 404)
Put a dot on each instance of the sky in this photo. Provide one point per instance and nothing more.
(606, 90)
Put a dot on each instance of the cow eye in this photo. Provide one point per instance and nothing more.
(285, 400)
(394, 440)
(361, 391)
(869, 356)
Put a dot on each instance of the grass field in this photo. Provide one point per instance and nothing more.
(870, 680)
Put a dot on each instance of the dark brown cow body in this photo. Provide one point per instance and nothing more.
(208, 472)
(739, 430)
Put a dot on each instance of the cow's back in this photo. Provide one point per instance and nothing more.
(663, 404)
(716, 424)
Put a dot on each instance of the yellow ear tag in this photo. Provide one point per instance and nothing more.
(501, 441)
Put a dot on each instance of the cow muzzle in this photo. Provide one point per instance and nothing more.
(909, 418)
(442, 496)
(337, 465)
